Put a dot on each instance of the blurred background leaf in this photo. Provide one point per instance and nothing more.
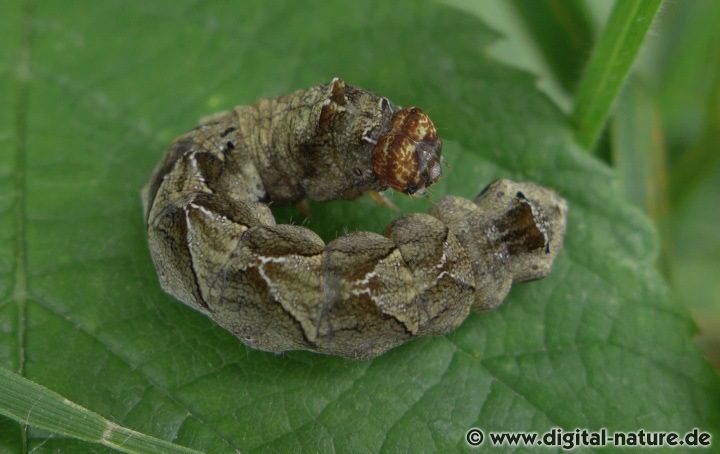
(563, 32)
(669, 117)
(665, 130)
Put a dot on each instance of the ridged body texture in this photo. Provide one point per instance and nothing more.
(217, 248)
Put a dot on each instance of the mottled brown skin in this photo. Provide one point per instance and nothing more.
(217, 248)
(407, 158)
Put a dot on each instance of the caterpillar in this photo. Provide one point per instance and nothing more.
(218, 249)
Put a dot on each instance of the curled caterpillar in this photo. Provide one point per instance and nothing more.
(217, 248)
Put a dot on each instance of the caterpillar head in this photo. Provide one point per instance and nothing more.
(408, 157)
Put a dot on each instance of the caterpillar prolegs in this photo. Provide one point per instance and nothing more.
(217, 248)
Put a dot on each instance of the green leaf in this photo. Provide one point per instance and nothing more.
(599, 343)
(686, 79)
(691, 97)
(638, 147)
(562, 30)
(609, 65)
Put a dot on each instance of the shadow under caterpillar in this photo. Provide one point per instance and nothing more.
(217, 248)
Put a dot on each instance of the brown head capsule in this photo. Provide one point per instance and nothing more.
(407, 158)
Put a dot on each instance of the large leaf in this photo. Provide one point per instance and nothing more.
(93, 92)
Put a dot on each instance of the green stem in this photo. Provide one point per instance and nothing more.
(35, 405)
(609, 66)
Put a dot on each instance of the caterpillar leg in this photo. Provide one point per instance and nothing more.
(382, 199)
